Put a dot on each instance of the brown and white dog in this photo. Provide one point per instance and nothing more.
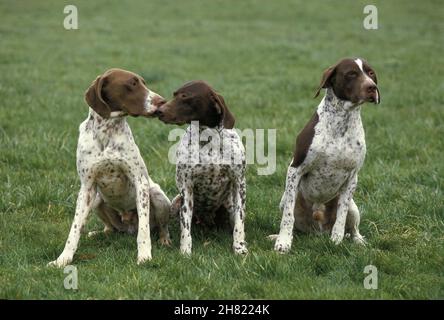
(209, 186)
(113, 176)
(329, 153)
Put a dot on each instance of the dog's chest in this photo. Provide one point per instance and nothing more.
(339, 151)
(336, 153)
(211, 186)
(209, 167)
(110, 163)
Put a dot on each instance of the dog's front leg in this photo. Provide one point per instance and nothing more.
(143, 211)
(85, 201)
(238, 214)
(186, 215)
(285, 237)
(338, 231)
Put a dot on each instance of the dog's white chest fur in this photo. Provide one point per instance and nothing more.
(336, 152)
(211, 176)
(109, 162)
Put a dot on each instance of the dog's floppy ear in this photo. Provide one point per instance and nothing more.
(227, 117)
(93, 97)
(325, 81)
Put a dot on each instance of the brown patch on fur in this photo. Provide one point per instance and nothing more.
(304, 140)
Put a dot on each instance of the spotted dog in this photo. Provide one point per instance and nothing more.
(114, 178)
(210, 176)
(330, 150)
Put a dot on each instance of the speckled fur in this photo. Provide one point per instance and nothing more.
(206, 186)
(112, 172)
(329, 170)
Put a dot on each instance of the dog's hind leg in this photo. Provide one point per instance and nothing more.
(176, 204)
(161, 206)
(110, 218)
(353, 220)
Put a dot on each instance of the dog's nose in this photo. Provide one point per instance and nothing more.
(371, 88)
(157, 113)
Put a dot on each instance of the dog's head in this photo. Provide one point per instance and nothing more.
(352, 80)
(121, 90)
(196, 101)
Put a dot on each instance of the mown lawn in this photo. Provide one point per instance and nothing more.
(266, 58)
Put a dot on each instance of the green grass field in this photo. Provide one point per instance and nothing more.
(266, 58)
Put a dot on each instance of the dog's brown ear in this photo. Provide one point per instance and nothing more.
(227, 117)
(325, 81)
(93, 97)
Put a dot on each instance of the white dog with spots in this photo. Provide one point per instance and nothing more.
(211, 179)
(114, 179)
(329, 153)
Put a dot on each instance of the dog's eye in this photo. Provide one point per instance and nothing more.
(371, 73)
(352, 74)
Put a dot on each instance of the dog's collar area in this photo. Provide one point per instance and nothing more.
(201, 128)
(117, 114)
(114, 115)
(332, 101)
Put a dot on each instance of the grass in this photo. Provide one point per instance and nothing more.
(266, 58)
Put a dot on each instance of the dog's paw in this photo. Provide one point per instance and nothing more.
(359, 239)
(60, 262)
(165, 241)
(337, 233)
(272, 237)
(337, 237)
(93, 234)
(185, 250)
(141, 259)
(282, 245)
(240, 248)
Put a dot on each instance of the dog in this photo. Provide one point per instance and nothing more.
(208, 187)
(329, 153)
(123, 221)
(114, 178)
